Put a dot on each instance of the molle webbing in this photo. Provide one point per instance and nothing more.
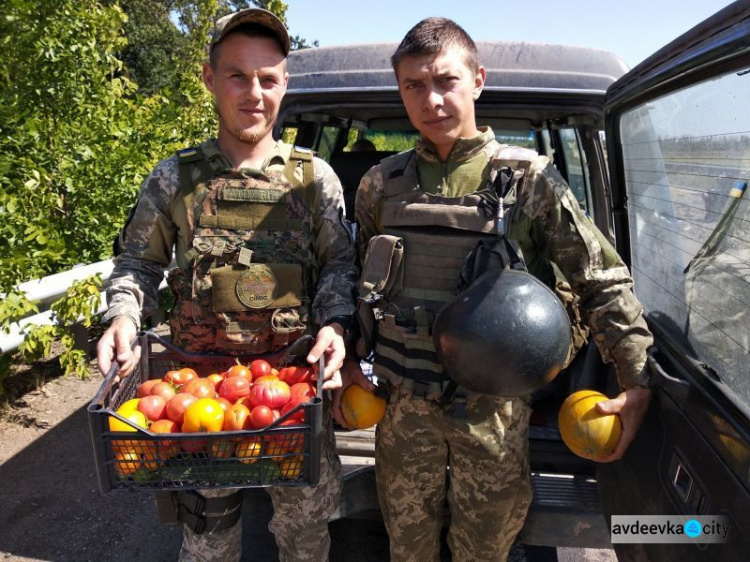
(248, 223)
(432, 264)
(250, 269)
(436, 213)
(438, 234)
(406, 352)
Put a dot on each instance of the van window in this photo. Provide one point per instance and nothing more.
(525, 139)
(327, 142)
(687, 165)
(393, 141)
(289, 135)
(575, 162)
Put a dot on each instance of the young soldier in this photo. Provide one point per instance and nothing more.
(285, 217)
(414, 197)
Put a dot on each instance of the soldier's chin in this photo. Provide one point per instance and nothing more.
(249, 136)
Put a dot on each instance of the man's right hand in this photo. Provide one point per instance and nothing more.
(115, 345)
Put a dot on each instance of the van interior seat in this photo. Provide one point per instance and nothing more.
(350, 167)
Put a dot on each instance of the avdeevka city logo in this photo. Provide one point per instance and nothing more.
(670, 528)
(693, 528)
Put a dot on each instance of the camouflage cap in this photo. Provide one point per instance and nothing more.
(251, 15)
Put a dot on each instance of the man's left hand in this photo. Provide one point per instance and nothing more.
(330, 344)
(632, 406)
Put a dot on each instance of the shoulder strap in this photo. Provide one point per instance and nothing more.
(302, 157)
(195, 166)
(400, 173)
(509, 166)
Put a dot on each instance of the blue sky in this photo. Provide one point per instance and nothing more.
(633, 29)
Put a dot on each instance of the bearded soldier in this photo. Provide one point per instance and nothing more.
(264, 255)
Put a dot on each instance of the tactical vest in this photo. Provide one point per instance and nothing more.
(250, 271)
(435, 235)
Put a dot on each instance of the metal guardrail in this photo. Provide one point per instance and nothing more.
(47, 290)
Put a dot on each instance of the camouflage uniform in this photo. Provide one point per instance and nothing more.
(487, 451)
(159, 224)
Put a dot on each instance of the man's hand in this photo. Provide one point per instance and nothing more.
(351, 373)
(632, 406)
(329, 343)
(115, 344)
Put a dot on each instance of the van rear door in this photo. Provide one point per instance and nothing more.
(678, 134)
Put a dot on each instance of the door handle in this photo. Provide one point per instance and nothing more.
(678, 387)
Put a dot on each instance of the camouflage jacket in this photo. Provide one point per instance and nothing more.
(157, 228)
(548, 224)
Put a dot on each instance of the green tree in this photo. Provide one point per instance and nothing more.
(78, 135)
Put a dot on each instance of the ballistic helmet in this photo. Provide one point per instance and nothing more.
(507, 334)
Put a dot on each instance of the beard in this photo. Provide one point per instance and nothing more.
(248, 136)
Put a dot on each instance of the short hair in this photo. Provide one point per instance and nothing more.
(434, 35)
(249, 29)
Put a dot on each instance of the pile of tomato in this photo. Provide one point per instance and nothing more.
(241, 398)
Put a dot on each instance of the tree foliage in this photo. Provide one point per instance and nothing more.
(92, 95)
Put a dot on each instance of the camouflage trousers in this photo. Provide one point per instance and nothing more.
(489, 487)
(299, 522)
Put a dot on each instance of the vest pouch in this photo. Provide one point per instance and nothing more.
(382, 276)
(237, 288)
(382, 273)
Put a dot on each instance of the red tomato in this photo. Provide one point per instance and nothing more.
(260, 368)
(295, 401)
(260, 417)
(294, 374)
(278, 443)
(239, 371)
(200, 388)
(234, 388)
(164, 426)
(236, 418)
(224, 403)
(269, 392)
(163, 389)
(216, 379)
(153, 406)
(302, 389)
(154, 454)
(144, 389)
(181, 377)
(177, 405)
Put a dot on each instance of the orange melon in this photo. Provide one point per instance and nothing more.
(584, 430)
(361, 409)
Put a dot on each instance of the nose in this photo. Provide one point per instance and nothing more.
(433, 99)
(254, 90)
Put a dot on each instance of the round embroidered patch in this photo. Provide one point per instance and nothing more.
(256, 287)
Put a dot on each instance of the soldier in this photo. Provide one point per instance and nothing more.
(243, 211)
(419, 213)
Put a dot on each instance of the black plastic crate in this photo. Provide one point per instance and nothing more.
(278, 455)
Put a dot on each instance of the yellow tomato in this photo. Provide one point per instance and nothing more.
(248, 451)
(205, 414)
(137, 418)
(291, 467)
(126, 463)
(131, 404)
